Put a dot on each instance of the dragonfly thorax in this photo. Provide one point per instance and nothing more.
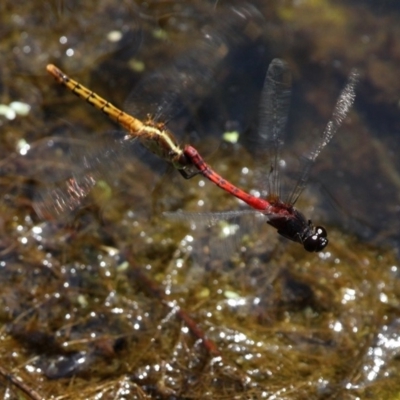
(294, 226)
(159, 140)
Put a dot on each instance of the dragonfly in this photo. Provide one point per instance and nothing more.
(179, 83)
(53, 202)
(155, 136)
(281, 214)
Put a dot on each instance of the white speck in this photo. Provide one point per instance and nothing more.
(23, 147)
(189, 238)
(63, 39)
(185, 329)
(236, 302)
(337, 327)
(114, 36)
(239, 337)
(70, 52)
(324, 255)
(7, 112)
(20, 108)
(30, 368)
(37, 230)
(383, 298)
(255, 193)
(348, 295)
(229, 230)
(81, 360)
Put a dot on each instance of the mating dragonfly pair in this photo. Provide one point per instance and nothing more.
(157, 138)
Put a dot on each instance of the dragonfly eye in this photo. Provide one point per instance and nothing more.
(317, 241)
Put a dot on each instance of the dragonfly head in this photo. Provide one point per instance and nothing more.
(292, 225)
(316, 240)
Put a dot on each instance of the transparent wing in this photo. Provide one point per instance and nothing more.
(85, 164)
(226, 229)
(167, 92)
(208, 218)
(46, 160)
(342, 107)
(66, 169)
(274, 105)
(63, 199)
(181, 85)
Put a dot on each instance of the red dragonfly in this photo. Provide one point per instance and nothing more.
(280, 214)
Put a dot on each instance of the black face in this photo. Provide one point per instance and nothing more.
(317, 240)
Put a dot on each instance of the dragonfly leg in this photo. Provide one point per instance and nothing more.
(188, 174)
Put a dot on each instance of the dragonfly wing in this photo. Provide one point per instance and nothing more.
(67, 168)
(61, 200)
(106, 156)
(342, 107)
(207, 219)
(179, 87)
(46, 160)
(274, 105)
(83, 164)
(55, 158)
(120, 161)
(180, 83)
(146, 100)
(227, 230)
